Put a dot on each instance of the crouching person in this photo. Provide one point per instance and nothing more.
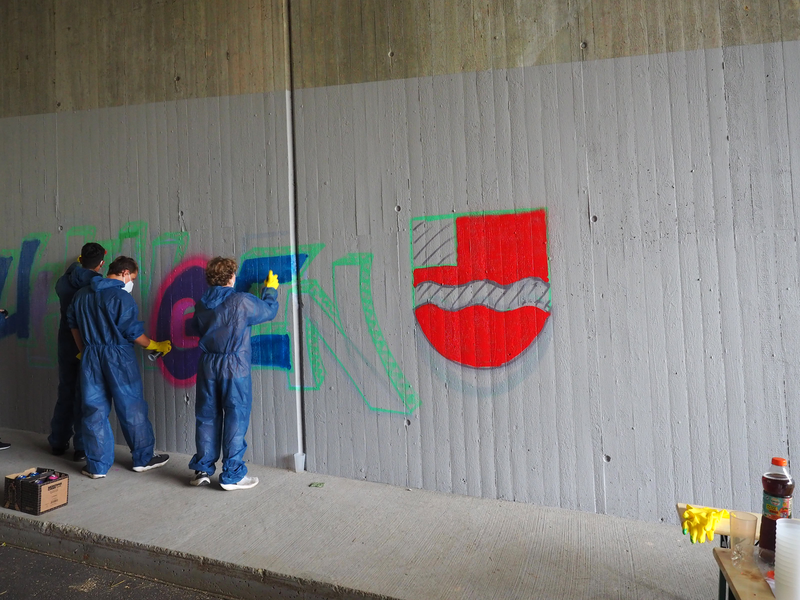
(104, 320)
(222, 319)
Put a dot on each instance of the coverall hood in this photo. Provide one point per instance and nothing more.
(215, 296)
(73, 279)
(80, 276)
(104, 283)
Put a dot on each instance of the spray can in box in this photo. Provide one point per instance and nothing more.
(778, 486)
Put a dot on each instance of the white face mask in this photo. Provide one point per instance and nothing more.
(128, 287)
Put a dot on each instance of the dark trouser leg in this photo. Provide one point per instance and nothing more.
(68, 402)
(77, 416)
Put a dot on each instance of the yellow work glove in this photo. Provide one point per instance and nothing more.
(700, 521)
(163, 347)
(271, 281)
(78, 355)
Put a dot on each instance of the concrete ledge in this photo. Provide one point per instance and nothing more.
(161, 564)
(346, 539)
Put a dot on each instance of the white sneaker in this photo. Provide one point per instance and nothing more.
(85, 471)
(244, 484)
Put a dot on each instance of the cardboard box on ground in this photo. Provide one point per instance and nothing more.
(36, 494)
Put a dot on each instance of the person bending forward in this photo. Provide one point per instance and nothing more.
(223, 318)
(104, 320)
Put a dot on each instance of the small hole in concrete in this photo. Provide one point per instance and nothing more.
(607, 458)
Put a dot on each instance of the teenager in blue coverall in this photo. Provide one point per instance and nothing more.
(67, 412)
(104, 320)
(224, 388)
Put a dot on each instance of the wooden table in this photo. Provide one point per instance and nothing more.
(744, 582)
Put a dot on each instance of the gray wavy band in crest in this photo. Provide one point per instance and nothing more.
(530, 291)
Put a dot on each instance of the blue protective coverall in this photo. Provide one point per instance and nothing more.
(67, 412)
(108, 320)
(223, 318)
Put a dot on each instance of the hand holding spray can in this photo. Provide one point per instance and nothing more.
(158, 349)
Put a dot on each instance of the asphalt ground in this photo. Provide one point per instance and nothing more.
(25, 574)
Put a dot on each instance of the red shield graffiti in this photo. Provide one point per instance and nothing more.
(481, 284)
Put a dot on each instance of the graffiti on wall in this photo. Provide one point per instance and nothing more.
(19, 321)
(481, 291)
(371, 367)
(481, 295)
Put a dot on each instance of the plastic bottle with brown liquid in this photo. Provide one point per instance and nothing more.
(777, 504)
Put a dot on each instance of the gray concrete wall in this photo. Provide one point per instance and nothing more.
(664, 370)
(170, 184)
(658, 365)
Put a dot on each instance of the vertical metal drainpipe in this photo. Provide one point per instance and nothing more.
(297, 302)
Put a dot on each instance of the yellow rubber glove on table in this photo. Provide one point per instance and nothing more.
(163, 347)
(701, 521)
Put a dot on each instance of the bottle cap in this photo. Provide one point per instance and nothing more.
(779, 462)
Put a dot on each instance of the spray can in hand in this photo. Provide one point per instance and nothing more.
(777, 504)
(154, 356)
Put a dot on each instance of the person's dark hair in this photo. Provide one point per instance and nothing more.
(92, 255)
(220, 270)
(123, 263)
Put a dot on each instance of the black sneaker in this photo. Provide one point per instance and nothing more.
(58, 451)
(158, 460)
(79, 455)
(4, 446)
(200, 478)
